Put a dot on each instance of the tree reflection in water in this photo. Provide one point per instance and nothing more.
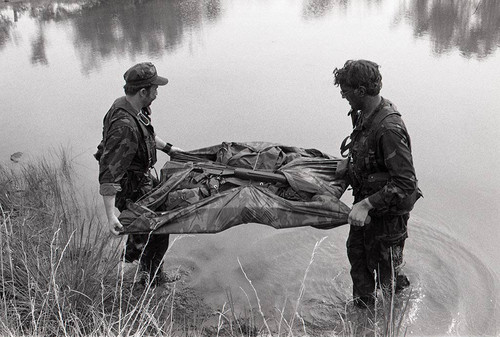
(105, 29)
(5, 28)
(471, 26)
(312, 9)
(38, 54)
(134, 27)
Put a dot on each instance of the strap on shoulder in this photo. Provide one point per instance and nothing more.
(345, 146)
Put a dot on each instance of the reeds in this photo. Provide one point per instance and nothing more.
(61, 275)
(60, 269)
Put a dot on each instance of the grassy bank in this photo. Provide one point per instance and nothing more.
(60, 271)
(61, 275)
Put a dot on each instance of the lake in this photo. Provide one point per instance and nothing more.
(262, 70)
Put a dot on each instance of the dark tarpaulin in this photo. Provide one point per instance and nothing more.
(215, 188)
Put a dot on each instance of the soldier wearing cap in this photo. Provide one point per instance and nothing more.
(381, 173)
(126, 154)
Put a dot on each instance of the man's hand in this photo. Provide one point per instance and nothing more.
(175, 149)
(359, 213)
(166, 147)
(114, 224)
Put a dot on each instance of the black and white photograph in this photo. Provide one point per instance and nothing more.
(249, 168)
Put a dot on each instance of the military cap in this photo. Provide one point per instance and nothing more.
(143, 74)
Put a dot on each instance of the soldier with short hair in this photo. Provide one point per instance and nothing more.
(126, 154)
(381, 173)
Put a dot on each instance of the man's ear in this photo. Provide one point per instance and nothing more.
(361, 91)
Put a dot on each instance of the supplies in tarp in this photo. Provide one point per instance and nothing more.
(214, 188)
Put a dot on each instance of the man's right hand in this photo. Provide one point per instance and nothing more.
(114, 225)
(175, 149)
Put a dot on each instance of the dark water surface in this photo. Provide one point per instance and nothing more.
(261, 70)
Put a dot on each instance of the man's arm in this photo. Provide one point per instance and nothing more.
(120, 149)
(395, 146)
(109, 204)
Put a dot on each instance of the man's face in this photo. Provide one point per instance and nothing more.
(148, 98)
(350, 94)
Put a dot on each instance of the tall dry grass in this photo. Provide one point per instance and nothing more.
(59, 272)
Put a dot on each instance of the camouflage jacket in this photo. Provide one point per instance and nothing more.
(380, 161)
(128, 145)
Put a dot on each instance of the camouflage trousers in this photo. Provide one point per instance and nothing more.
(375, 253)
(148, 249)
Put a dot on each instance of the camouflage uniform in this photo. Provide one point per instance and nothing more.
(380, 169)
(125, 156)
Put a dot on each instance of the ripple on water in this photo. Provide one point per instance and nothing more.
(458, 291)
(453, 291)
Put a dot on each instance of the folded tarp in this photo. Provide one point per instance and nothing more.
(215, 188)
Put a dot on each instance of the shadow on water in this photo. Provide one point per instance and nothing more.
(107, 29)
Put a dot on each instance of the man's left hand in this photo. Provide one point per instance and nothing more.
(359, 213)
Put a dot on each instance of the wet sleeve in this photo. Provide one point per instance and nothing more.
(395, 147)
(119, 151)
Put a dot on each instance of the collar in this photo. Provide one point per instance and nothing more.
(124, 104)
(142, 115)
